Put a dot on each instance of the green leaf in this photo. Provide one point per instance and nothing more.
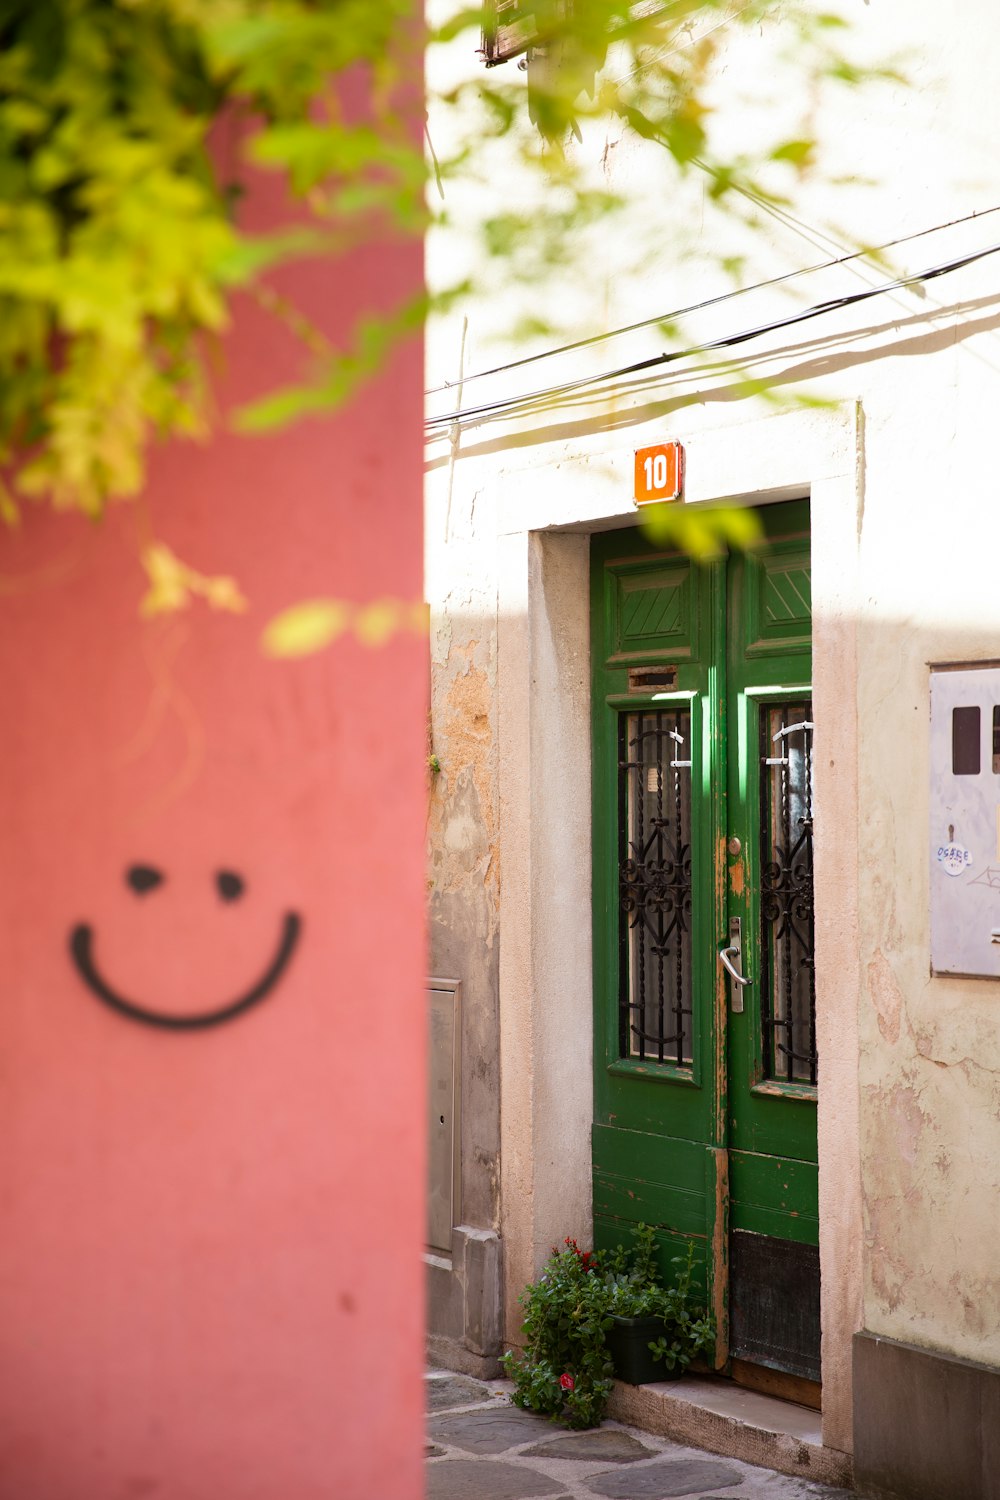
(799, 153)
(244, 258)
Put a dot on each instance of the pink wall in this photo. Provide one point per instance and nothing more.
(210, 1280)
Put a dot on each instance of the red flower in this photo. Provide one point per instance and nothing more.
(567, 1382)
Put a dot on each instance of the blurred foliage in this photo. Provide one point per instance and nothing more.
(172, 585)
(313, 624)
(703, 533)
(120, 246)
(596, 71)
(127, 128)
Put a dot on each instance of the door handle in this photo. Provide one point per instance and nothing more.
(727, 955)
(734, 950)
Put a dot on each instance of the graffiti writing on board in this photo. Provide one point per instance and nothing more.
(955, 859)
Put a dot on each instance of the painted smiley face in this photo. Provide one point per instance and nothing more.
(144, 879)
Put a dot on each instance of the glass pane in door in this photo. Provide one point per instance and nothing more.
(788, 1011)
(654, 767)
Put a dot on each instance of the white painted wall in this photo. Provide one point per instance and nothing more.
(906, 512)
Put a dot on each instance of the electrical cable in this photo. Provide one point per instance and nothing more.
(670, 50)
(728, 341)
(681, 312)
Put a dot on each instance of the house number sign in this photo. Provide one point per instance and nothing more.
(659, 473)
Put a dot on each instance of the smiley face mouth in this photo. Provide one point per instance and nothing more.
(81, 947)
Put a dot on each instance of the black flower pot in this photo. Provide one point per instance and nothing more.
(628, 1341)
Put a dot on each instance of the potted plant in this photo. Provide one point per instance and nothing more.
(590, 1317)
(655, 1331)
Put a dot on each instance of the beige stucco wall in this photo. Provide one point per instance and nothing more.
(463, 875)
(906, 516)
(930, 1048)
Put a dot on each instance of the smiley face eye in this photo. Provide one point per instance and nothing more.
(143, 878)
(230, 885)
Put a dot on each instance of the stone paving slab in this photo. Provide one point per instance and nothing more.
(666, 1479)
(607, 1445)
(493, 1431)
(487, 1479)
(447, 1391)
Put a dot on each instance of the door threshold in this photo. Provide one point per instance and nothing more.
(721, 1417)
(794, 1388)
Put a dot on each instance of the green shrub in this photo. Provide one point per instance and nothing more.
(566, 1372)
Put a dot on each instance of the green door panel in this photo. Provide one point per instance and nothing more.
(649, 1158)
(778, 598)
(654, 1121)
(649, 1179)
(659, 1180)
(622, 1200)
(653, 610)
(772, 1195)
(769, 664)
(708, 1141)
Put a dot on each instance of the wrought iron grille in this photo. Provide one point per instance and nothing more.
(788, 968)
(654, 807)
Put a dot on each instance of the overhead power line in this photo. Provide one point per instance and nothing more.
(728, 341)
(742, 291)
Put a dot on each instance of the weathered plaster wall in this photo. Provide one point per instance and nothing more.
(464, 875)
(463, 881)
(905, 536)
(930, 1053)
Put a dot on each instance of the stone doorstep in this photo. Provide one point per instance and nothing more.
(452, 1354)
(734, 1423)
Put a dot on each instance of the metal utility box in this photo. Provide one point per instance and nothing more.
(445, 1111)
(965, 820)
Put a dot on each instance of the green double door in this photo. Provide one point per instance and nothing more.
(705, 997)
